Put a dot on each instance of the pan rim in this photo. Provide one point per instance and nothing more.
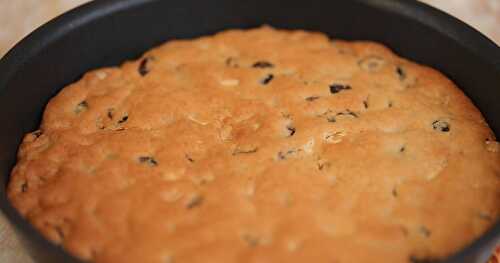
(38, 40)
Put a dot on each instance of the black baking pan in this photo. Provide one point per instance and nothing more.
(107, 32)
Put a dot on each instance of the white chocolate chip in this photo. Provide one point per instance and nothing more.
(288, 71)
(332, 179)
(285, 199)
(230, 82)
(492, 146)
(167, 258)
(292, 245)
(249, 190)
(171, 196)
(101, 75)
(266, 240)
(171, 227)
(194, 119)
(308, 147)
(334, 137)
(204, 179)
(437, 169)
(169, 176)
(225, 133)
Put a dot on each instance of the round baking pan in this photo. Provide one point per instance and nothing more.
(108, 32)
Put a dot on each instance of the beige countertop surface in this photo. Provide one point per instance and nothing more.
(19, 17)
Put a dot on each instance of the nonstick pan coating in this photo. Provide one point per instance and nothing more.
(107, 32)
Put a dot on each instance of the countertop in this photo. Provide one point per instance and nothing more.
(15, 24)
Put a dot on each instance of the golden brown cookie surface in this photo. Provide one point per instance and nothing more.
(260, 146)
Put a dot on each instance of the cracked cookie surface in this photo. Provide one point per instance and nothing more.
(260, 145)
